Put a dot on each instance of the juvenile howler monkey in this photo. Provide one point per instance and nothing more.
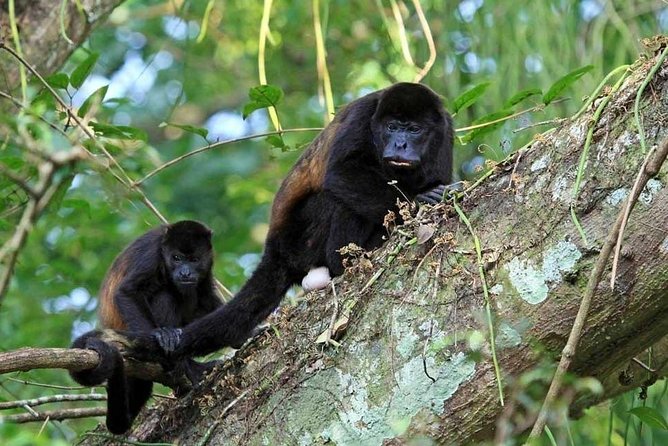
(161, 280)
(336, 193)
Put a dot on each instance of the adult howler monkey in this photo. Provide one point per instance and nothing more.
(336, 193)
(162, 280)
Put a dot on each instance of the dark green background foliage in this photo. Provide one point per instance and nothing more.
(167, 92)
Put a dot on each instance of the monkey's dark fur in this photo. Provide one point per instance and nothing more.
(161, 280)
(336, 193)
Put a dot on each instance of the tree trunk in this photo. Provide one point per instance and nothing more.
(409, 320)
(45, 26)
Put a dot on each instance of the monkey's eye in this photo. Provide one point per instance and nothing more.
(194, 259)
(176, 258)
(392, 127)
(414, 129)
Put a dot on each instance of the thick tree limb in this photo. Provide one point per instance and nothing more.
(649, 168)
(79, 359)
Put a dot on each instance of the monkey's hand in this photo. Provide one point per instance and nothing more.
(436, 195)
(167, 338)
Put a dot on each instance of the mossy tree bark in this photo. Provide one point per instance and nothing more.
(407, 319)
(50, 30)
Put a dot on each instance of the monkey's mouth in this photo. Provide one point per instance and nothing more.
(187, 282)
(401, 163)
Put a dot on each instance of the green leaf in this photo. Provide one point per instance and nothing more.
(57, 199)
(13, 162)
(77, 204)
(471, 95)
(262, 96)
(276, 141)
(96, 98)
(650, 416)
(45, 98)
(58, 80)
(118, 131)
(563, 83)
(266, 94)
(81, 72)
(187, 128)
(522, 95)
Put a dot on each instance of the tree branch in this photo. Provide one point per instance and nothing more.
(55, 415)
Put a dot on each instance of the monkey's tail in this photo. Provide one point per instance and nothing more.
(235, 322)
(106, 365)
(110, 368)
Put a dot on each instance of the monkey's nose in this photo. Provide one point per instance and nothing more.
(185, 275)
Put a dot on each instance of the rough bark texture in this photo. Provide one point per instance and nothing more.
(42, 35)
(404, 368)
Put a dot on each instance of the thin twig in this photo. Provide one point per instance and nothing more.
(636, 107)
(401, 28)
(597, 90)
(627, 213)
(485, 290)
(332, 321)
(643, 365)
(321, 63)
(651, 169)
(218, 144)
(53, 399)
(47, 386)
(55, 415)
(430, 42)
(264, 32)
(585, 155)
(19, 181)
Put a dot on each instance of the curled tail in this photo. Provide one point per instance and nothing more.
(110, 369)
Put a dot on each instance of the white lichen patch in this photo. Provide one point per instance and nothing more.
(507, 336)
(578, 131)
(664, 246)
(531, 283)
(527, 280)
(617, 196)
(613, 152)
(363, 422)
(562, 188)
(305, 439)
(540, 163)
(430, 330)
(560, 259)
(647, 195)
(405, 338)
(496, 289)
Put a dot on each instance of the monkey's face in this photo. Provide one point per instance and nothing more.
(402, 142)
(186, 268)
(408, 127)
(186, 253)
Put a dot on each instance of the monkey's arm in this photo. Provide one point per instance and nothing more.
(360, 188)
(233, 323)
(132, 309)
(348, 227)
